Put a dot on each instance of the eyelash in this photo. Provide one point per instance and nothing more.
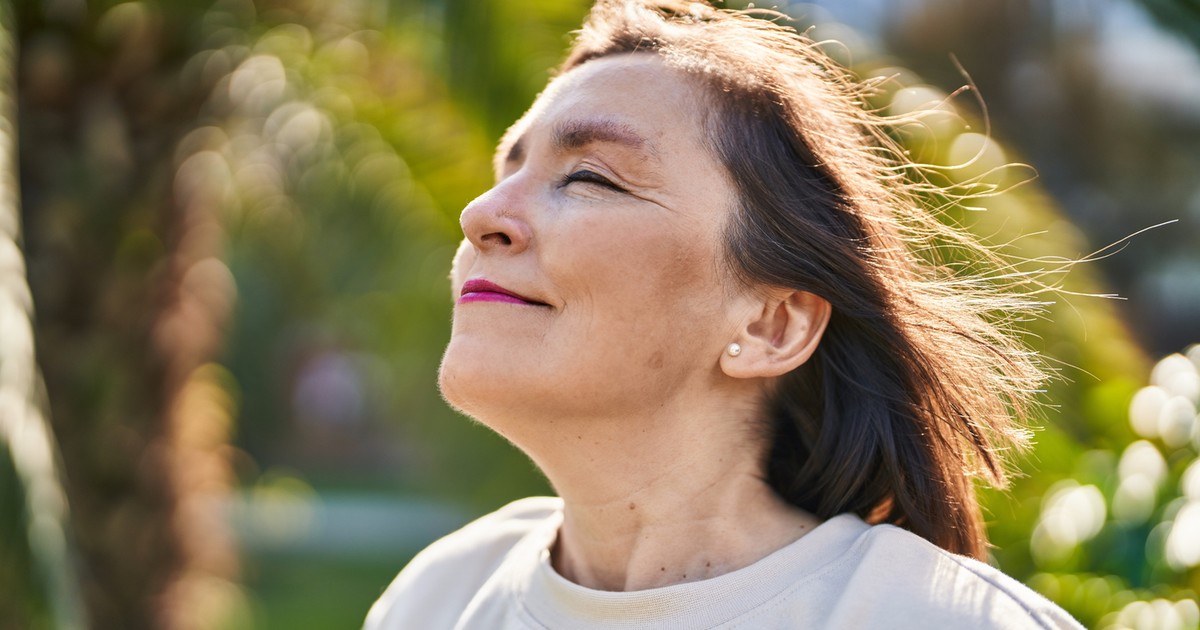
(590, 177)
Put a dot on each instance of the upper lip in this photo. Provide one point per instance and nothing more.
(479, 285)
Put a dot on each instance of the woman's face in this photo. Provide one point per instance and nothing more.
(606, 221)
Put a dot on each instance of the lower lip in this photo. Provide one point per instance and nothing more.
(489, 296)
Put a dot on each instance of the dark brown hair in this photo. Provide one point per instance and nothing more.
(912, 391)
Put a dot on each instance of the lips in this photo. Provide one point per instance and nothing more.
(480, 290)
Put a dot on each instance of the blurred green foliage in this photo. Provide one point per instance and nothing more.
(24, 598)
(344, 179)
(1181, 16)
(1102, 99)
(337, 141)
(1116, 542)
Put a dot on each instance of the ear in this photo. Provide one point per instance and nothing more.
(780, 337)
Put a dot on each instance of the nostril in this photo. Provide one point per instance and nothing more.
(498, 238)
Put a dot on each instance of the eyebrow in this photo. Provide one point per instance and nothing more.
(576, 134)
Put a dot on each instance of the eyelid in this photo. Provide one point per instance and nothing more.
(589, 176)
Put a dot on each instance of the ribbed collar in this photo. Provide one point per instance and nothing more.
(555, 602)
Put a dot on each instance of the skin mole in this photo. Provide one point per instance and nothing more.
(656, 360)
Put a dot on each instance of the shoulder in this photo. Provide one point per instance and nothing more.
(906, 573)
(451, 570)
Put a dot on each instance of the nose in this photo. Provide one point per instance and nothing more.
(493, 222)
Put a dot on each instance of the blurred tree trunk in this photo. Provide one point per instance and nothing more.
(38, 586)
(131, 304)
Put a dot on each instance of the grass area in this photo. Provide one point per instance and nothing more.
(299, 592)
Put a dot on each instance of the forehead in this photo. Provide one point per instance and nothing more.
(633, 95)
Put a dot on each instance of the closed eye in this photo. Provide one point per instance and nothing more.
(590, 177)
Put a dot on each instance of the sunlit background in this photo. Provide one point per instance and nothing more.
(225, 230)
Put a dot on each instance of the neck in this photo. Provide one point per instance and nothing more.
(663, 498)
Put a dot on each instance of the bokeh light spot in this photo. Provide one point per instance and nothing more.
(1144, 410)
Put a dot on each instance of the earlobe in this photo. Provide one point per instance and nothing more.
(780, 337)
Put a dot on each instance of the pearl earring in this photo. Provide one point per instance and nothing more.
(734, 349)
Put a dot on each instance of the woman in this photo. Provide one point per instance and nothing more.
(692, 299)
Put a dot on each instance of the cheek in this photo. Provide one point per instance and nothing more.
(665, 268)
(642, 286)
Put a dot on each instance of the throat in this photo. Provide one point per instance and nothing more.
(634, 547)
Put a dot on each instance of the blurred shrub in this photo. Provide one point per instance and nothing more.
(344, 156)
(1118, 544)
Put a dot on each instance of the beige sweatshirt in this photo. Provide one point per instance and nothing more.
(495, 574)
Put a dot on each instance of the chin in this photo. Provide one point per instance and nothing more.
(451, 383)
(483, 386)
(509, 396)
(508, 385)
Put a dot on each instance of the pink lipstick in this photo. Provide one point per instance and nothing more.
(480, 290)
